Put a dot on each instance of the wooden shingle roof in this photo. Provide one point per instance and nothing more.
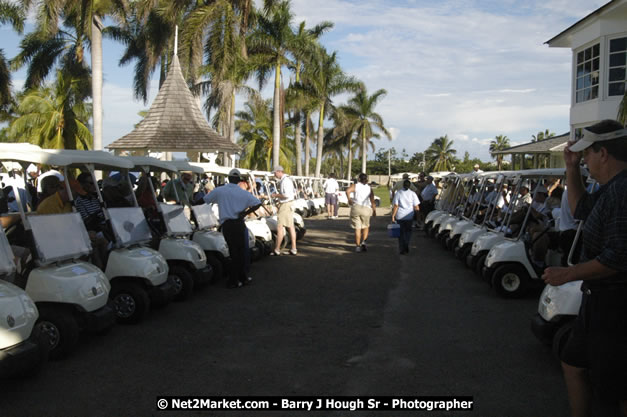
(552, 144)
(174, 123)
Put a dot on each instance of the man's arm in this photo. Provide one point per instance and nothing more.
(350, 190)
(590, 270)
(394, 211)
(576, 188)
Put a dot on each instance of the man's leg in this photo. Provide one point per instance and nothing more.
(357, 237)
(293, 236)
(578, 387)
(280, 233)
(364, 234)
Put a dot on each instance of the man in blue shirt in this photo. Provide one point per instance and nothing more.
(234, 203)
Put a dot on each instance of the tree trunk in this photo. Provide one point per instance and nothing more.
(320, 141)
(307, 145)
(350, 159)
(96, 80)
(364, 151)
(299, 146)
(276, 117)
(232, 119)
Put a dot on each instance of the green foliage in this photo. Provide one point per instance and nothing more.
(440, 155)
(54, 116)
(255, 128)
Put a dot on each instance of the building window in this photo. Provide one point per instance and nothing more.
(587, 87)
(618, 63)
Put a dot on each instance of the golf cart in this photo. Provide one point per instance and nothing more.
(23, 346)
(187, 262)
(481, 208)
(70, 294)
(137, 273)
(508, 265)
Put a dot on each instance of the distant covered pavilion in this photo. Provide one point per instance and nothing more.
(550, 148)
(174, 123)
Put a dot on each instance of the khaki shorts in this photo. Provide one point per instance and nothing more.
(285, 216)
(360, 216)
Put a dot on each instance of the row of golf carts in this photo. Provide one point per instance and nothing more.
(488, 232)
(154, 254)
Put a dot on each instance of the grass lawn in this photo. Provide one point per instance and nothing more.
(382, 192)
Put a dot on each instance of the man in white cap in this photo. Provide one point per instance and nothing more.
(594, 358)
(285, 215)
(477, 169)
(234, 203)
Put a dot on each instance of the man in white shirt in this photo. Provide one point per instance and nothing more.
(285, 215)
(331, 190)
(405, 205)
(234, 204)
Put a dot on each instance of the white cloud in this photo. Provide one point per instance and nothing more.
(456, 66)
(394, 132)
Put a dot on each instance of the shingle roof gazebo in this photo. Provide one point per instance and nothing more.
(174, 123)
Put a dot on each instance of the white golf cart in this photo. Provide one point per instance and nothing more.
(508, 266)
(70, 294)
(480, 208)
(463, 201)
(187, 262)
(23, 346)
(137, 273)
(442, 204)
(470, 234)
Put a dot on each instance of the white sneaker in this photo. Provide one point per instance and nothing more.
(357, 248)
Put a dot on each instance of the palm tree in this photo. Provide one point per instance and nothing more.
(297, 98)
(254, 126)
(85, 17)
(54, 116)
(500, 143)
(542, 136)
(327, 80)
(270, 46)
(440, 154)
(9, 13)
(361, 109)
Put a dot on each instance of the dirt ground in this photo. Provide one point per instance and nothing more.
(326, 322)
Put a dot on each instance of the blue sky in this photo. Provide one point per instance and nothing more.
(466, 68)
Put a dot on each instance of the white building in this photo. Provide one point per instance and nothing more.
(599, 62)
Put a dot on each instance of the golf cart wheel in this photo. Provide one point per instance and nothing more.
(183, 282)
(216, 265)
(300, 232)
(261, 248)
(129, 301)
(451, 243)
(510, 280)
(480, 260)
(61, 329)
(434, 231)
(464, 252)
(427, 229)
(561, 337)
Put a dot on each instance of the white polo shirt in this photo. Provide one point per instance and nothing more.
(287, 189)
(406, 200)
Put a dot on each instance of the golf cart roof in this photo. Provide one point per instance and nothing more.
(548, 172)
(153, 164)
(217, 169)
(186, 166)
(31, 154)
(100, 159)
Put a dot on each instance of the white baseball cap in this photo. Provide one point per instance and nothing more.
(589, 138)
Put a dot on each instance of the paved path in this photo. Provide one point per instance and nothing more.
(326, 322)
